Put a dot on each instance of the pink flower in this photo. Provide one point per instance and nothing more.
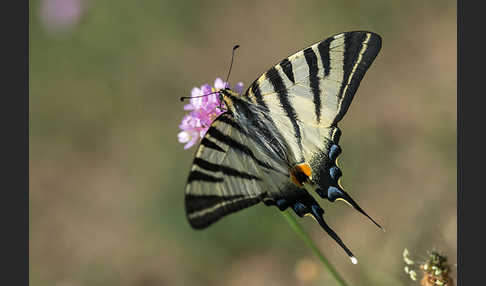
(61, 15)
(190, 126)
(203, 111)
(238, 88)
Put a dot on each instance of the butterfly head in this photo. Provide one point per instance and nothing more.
(228, 97)
(224, 92)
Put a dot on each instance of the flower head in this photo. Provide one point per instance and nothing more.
(61, 15)
(204, 108)
(436, 270)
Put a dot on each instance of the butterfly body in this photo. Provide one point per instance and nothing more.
(279, 140)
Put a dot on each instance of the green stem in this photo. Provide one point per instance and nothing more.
(298, 229)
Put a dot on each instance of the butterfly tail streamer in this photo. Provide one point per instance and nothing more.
(339, 194)
(307, 205)
(317, 213)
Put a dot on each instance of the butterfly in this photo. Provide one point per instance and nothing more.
(278, 142)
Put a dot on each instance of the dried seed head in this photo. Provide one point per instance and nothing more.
(436, 270)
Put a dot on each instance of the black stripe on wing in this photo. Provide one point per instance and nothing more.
(355, 65)
(228, 119)
(196, 203)
(278, 85)
(323, 48)
(286, 66)
(353, 43)
(255, 90)
(210, 144)
(311, 59)
(237, 146)
(195, 176)
(203, 210)
(206, 165)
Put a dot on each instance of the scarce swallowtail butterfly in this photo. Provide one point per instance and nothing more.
(278, 142)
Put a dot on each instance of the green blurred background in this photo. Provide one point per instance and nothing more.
(107, 173)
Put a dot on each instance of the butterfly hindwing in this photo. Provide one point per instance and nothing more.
(226, 174)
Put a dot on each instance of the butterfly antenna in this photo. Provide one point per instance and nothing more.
(182, 98)
(231, 64)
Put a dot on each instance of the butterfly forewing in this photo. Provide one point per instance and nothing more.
(308, 93)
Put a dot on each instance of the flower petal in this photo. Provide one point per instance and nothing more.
(194, 138)
(239, 87)
(189, 145)
(220, 84)
(184, 137)
(197, 102)
(186, 122)
(213, 101)
(196, 92)
(206, 89)
(189, 107)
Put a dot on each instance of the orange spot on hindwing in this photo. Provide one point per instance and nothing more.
(300, 174)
